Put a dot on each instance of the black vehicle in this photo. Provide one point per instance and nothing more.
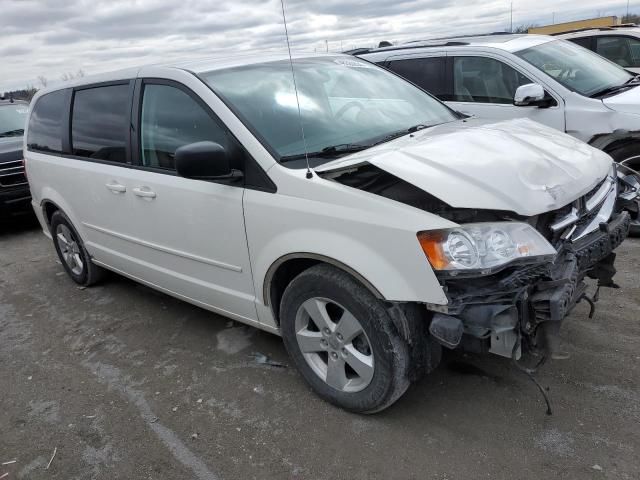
(15, 198)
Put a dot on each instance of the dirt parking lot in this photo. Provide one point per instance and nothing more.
(126, 383)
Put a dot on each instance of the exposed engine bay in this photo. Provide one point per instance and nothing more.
(520, 308)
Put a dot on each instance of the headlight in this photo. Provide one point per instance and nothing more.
(484, 247)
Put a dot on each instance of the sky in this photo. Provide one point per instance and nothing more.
(46, 38)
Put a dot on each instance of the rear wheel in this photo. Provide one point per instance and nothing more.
(629, 156)
(74, 257)
(343, 341)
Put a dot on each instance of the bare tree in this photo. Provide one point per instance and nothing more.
(30, 91)
(524, 28)
(67, 76)
(43, 81)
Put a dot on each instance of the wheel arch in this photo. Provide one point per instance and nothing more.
(608, 142)
(288, 266)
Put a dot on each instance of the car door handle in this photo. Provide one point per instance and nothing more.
(144, 192)
(116, 187)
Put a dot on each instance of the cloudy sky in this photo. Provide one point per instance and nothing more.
(48, 38)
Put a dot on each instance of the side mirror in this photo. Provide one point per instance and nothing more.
(531, 94)
(204, 161)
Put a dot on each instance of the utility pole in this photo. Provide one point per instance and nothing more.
(326, 44)
(627, 10)
(553, 18)
(511, 22)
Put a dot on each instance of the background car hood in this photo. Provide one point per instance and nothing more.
(517, 165)
(10, 149)
(627, 101)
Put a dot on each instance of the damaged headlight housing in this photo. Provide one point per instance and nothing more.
(483, 248)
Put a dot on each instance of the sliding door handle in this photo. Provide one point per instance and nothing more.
(144, 192)
(116, 187)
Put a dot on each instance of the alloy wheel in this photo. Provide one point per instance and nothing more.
(334, 344)
(69, 249)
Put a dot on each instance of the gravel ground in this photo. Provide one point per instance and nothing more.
(124, 382)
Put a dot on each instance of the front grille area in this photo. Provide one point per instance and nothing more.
(577, 218)
(12, 174)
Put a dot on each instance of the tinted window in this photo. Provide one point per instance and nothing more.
(100, 122)
(170, 119)
(45, 123)
(625, 51)
(427, 73)
(583, 42)
(485, 80)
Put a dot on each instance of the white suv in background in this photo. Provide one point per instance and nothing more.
(411, 228)
(551, 81)
(621, 44)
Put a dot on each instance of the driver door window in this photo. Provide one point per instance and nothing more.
(170, 119)
(485, 80)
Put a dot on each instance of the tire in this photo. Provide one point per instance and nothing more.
(341, 304)
(71, 251)
(630, 156)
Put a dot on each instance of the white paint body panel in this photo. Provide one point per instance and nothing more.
(213, 244)
(577, 115)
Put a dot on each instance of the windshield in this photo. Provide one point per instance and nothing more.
(13, 117)
(575, 67)
(344, 102)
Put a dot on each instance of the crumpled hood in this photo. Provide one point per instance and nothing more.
(627, 101)
(516, 165)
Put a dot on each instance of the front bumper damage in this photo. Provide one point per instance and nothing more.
(522, 307)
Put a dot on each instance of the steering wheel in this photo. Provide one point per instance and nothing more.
(348, 106)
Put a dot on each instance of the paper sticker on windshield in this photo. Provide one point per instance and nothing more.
(348, 62)
(22, 110)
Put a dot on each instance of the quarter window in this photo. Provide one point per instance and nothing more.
(485, 80)
(625, 51)
(100, 123)
(582, 41)
(170, 119)
(45, 123)
(428, 73)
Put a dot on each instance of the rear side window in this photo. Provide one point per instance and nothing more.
(100, 123)
(45, 123)
(170, 119)
(625, 51)
(428, 73)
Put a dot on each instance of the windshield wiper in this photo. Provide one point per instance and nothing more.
(12, 133)
(330, 151)
(632, 82)
(345, 148)
(401, 133)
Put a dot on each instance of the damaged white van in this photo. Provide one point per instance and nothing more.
(358, 217)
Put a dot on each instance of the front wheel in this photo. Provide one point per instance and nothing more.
(343, 341)
(629, 156)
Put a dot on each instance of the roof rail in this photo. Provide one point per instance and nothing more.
(406, 46)
(602, 29)
(357, 51)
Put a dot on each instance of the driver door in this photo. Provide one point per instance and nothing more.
(485, 87)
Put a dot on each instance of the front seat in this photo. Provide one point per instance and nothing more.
(493, 78)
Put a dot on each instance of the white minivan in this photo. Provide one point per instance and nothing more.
(358, 217)
(543, 78)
